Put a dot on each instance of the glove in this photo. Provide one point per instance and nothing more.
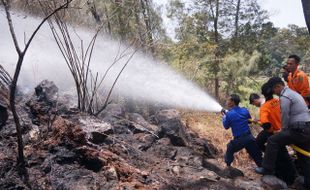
(266, 126)
(223, 112)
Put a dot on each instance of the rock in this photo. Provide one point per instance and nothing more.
(46, 91)
(64, 156)
(72, 177)
(137, 118)
(139, 124)
(248, 185)
(174, 130)
(273, 182)
(90, 159)
(111, 173)
(165, 115)
(212, 176)
(34, 133)
(176, 170)
(212, 164)
(137, 128)
(43, 104)
(231, 172)
(209, 150)
(97, 130)
(113, 110)
(97, 137)
(65, 131)
(163, 149)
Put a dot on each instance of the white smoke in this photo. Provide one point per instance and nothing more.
(143, 79)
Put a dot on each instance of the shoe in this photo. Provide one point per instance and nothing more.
(263, 171)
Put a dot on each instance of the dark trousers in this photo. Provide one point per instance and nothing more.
(248, 142)
(303, 164)
(284, 167)
(276, 142)
(262, 138)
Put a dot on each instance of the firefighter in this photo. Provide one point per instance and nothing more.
(295, 119)
(297, 79)
(237, 119)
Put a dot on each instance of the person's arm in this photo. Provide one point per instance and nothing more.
(285, 111)
(226, 120)
(248, 114)
(302, 84)
(264, 118)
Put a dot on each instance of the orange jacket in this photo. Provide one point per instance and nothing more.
(270, 113)
(298, 81)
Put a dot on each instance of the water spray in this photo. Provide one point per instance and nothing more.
(144, 79)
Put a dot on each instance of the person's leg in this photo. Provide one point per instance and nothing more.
(253, 150)
(262, 138)
(274, 143)
(306, 172)
(285, 168)
(233, 146)
(304, 164)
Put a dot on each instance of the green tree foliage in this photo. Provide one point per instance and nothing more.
(134, 20)
(291, 40)
(237, 70)
(217, 30)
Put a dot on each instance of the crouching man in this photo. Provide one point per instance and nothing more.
(295, 129)
(237, 119)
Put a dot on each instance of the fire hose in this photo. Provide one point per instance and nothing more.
(296, 148)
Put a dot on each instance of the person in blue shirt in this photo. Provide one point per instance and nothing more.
(237, 119)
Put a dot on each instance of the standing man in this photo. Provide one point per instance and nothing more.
(297, 79)
(295, 129)
(237, 119)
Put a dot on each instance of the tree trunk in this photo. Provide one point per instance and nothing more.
(108, 19)
(217, 52)
(237, 19)
(93, 10)
(137, 9)
(146, 15)
(120, 19)
(20, 158)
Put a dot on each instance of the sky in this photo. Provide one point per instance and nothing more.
(284, 12)
(281, 13)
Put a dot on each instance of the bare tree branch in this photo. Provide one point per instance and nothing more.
(21, 54)
(110, 92)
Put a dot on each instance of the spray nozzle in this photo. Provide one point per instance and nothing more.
(223, 111)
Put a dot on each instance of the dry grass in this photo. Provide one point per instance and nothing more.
(209, 126)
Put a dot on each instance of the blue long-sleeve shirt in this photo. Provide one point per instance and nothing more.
(237, 119)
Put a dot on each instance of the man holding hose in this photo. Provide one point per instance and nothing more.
(237, 119)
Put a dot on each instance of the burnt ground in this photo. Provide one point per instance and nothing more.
(66, 149)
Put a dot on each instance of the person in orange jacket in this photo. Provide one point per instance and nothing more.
(297, 79)
(270, 118)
